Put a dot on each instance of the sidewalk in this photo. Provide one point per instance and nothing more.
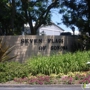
(28, 85)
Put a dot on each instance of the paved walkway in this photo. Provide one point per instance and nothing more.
(40, 87)
(28, 85)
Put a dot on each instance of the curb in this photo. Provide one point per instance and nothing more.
(28, 85)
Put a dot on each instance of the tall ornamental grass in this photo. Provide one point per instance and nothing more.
(64, 63)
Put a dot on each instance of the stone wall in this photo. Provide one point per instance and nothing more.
(30, 45)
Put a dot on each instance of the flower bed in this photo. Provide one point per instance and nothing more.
(70, 78)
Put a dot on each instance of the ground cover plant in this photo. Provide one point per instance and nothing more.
(53, 69)
(10, 70)
(76, 78)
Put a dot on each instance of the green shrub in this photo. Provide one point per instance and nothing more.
(55, 64)
(65, 63)
(10, 70)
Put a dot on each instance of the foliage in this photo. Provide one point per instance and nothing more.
(85, 41)
(81, 44)
(34, 80)
(11, 21)
(67, 80)
(10, 70)
(55, 66)
(74, 14)
(5, 52)
(69, 62)
(77, 45)
(53, 75)
(70, 78)
(15, 13)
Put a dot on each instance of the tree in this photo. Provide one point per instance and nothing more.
(11, 20)
(38, 11)
(15, 13)
(76, 12)
(4, 17)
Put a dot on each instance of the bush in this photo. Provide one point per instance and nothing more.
(52, 65)
(10, 70)
(59, 63)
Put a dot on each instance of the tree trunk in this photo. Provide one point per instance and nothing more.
(13, 15)
(32, 29)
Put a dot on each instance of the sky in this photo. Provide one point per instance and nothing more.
(56, 18)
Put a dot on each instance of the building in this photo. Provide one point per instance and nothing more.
(51, 29)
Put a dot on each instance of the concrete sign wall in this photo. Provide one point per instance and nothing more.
(30, 45)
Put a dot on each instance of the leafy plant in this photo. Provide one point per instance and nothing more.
(5, 51)
(69, 62)
(34, 80)
(67, 80)
(10, 70)
(55, 66)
